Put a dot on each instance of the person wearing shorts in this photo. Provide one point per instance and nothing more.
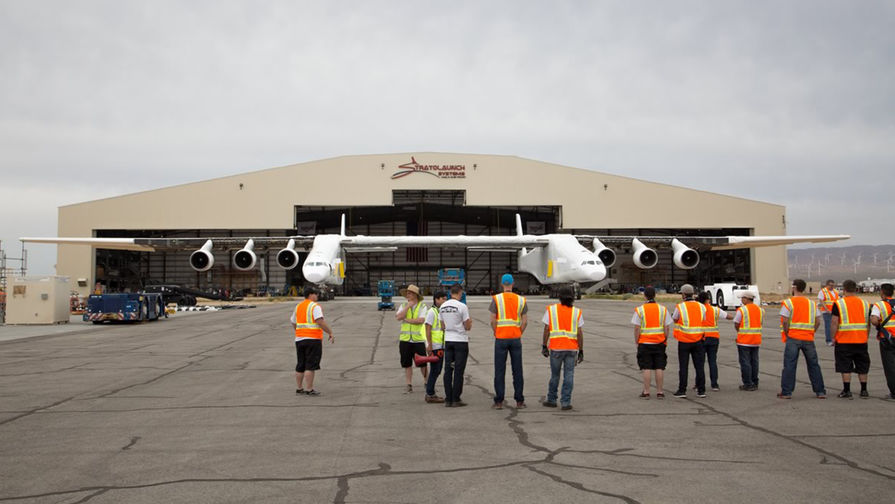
(412, 340)
(850, 325)
(309, 324)
(651, 322)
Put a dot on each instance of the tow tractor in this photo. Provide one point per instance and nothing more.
(727, 295)
(129, 307)
(386, 290)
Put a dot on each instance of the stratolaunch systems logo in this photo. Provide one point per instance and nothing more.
(440, 171)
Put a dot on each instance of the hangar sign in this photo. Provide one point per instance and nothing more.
(441, 171)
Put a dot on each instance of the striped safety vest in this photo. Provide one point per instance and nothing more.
(688, 328)
(828, 298)
(710, 324)
(509, 315)
(563, 327)
(437, 333)
(305, 327)
(802, 316)
(413, 332)
(749, 333)
(652, 323)
(884, 310)
(854, 324)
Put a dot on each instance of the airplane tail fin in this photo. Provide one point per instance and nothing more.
(518, 225)
(342, 231)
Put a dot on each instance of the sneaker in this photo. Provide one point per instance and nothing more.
(821, 396)
(567, 407)
(829, 343)
(434, 399)
(865, 394)
(300, 391)
(680, 393)
(715, 388)
(548, 404)
(497, 405)
(520, 405)
(408, 389)
(448, 404)
(644, 395)
(845, 394)
(459, 404)
(700, 394)
(781, 396)
(746, 387)
(312, 392)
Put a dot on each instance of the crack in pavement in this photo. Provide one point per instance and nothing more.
(132, 443)
(579, 486)
(210, 407)
(372, 351)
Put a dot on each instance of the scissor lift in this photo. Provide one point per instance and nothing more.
(386, 290)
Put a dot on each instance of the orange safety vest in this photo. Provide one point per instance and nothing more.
(305, 327)
(884, 310)
(802, 315)
(652, 323)
(749, 333)
(828, 297)
(563, 327)
(689, 327)
(710, 324)
(854, 324)
(509, 315)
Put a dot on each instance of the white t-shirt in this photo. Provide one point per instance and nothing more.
(546, 319)
(453, 313)
(430, 321)
(636, 318)
(317, 313)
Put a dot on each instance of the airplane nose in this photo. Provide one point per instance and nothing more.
(315, 274)
(596, 273)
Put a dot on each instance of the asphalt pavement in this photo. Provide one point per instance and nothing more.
(201, 407)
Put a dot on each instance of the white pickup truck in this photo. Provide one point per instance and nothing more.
(727, 295)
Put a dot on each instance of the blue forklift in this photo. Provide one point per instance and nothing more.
(385, 289)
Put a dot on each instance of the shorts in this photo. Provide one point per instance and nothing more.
(852, 358)
(651, 356)
(307, 355)
(408, 349)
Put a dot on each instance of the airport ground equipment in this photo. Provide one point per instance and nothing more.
(184, 296)
(448, 277)
(727, 295)
(385, 289)
(130, 307)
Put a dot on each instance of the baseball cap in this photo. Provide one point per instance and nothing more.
(687, 289)
(506, 279)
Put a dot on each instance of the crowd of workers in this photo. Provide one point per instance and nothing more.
(435, 339)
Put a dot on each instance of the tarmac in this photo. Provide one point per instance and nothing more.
(201, 407)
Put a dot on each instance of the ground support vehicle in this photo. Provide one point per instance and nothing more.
(385, 289)
(727, 295)
(448, 277)
(128, 307)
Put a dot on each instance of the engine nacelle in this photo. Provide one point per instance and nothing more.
(644, 257)
(684, 256)
(288, 257)
(245, 258)
(202, 259)
(606, 254)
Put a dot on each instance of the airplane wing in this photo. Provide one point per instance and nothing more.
(711, 242)
(170, 244)
(502, 243)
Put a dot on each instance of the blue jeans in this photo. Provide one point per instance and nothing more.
(564, 359)
(791, 360)
(748, 364)
(434, 371)
(455, 355)
(711, 355)
(828, 319)
(513, 347)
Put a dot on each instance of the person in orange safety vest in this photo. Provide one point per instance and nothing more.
(307, 320)
(799, 320)
(688, 318)
(509, 318)
(748, 322)
(850, 326)
(651, 329)
(563, 343)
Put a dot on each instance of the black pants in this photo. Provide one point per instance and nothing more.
(887, 352)
(684, 352)
(455, 355)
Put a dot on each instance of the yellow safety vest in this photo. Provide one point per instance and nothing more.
(413, 332)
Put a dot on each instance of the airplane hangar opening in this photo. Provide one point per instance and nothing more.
(415, 194)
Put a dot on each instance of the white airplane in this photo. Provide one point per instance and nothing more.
(550, 258)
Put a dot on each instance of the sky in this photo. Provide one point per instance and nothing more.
(786, 102)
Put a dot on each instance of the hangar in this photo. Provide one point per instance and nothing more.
(421, 193)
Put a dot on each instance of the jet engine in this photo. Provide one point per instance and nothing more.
(202, 259)
(644, 257)
(288, 257)
(606, 254)
(245, 258)
(684, 256)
